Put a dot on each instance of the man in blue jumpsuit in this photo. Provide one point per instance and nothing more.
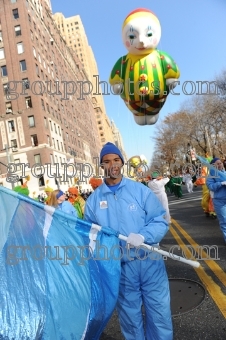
(216, 183)
(133, 210)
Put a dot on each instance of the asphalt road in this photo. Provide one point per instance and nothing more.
(192, 230)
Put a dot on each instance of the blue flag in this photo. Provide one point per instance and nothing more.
(59, 275)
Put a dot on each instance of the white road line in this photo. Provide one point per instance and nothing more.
(185, 200)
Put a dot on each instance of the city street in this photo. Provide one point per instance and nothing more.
(190, 227)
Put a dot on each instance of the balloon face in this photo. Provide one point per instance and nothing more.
(143, 78)
(141, 34)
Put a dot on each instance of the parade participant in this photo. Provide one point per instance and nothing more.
(157, 185)
(77, 201)
(48, 192)
(206, 202)
(57, 200)
(95, 182)
(187, 179)
(22, 189)
(177, 182)
(217, 188)
(133, 209)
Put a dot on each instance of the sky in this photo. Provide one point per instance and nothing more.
(193, 33)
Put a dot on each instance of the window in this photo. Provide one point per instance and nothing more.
(4, 71)
(45, 123)
(47, 107)
(48, 139)
(2, 53)
(43, 104)
(59, 131)
(8, 106)
(55, 128)
(26, 83)
(34, 140)
(5, 89)
(51, 127)
(58, 146)
(34, 52)
(17, 30)
(37, 69)
(37, 159)
(13, 1)
(51, 159)
(20, 48)
(23, 66)
(15, 13)
(54, 143)
(11, 126)
(14, 145)
(31, 121)
(41, 181)
(28, 102)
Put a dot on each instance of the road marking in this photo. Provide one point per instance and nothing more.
(214, 290)
(210, 263)
(185, 200)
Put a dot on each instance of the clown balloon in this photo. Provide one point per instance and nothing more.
(144, 76)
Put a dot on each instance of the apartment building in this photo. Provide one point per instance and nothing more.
(74, 34)
(44, 116)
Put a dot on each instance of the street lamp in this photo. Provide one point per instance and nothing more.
(8, 159)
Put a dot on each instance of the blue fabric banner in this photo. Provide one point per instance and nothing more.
(59, 275)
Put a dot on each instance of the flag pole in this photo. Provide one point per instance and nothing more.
(172, 256)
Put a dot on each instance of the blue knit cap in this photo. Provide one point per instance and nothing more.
(110, 148)
(214, 160)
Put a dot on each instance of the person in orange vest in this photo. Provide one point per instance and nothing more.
(77, 201)
(95, 182)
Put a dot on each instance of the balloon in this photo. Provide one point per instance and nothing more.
(138, 164)
(143, 78)
(136, 161)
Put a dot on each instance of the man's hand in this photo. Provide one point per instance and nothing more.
(135, 239)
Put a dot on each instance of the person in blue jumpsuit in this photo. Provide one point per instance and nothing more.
(133, 210)
(57, 200)
(216, 183)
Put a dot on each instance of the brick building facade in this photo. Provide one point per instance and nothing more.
(44, 116)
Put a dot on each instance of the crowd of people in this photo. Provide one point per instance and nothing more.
(140, 211)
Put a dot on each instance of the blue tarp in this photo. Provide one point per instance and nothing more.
(57, 280)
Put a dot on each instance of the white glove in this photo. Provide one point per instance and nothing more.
(223, 183)
(135, 239)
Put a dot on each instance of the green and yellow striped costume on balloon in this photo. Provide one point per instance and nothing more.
(144, 80)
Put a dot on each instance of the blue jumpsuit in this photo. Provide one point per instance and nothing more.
(134, 208)
(218, 194)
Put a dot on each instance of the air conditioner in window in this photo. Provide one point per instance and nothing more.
(1, 40)
(9, 110)
(14, 149)
(51, 41)
(51, 62)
